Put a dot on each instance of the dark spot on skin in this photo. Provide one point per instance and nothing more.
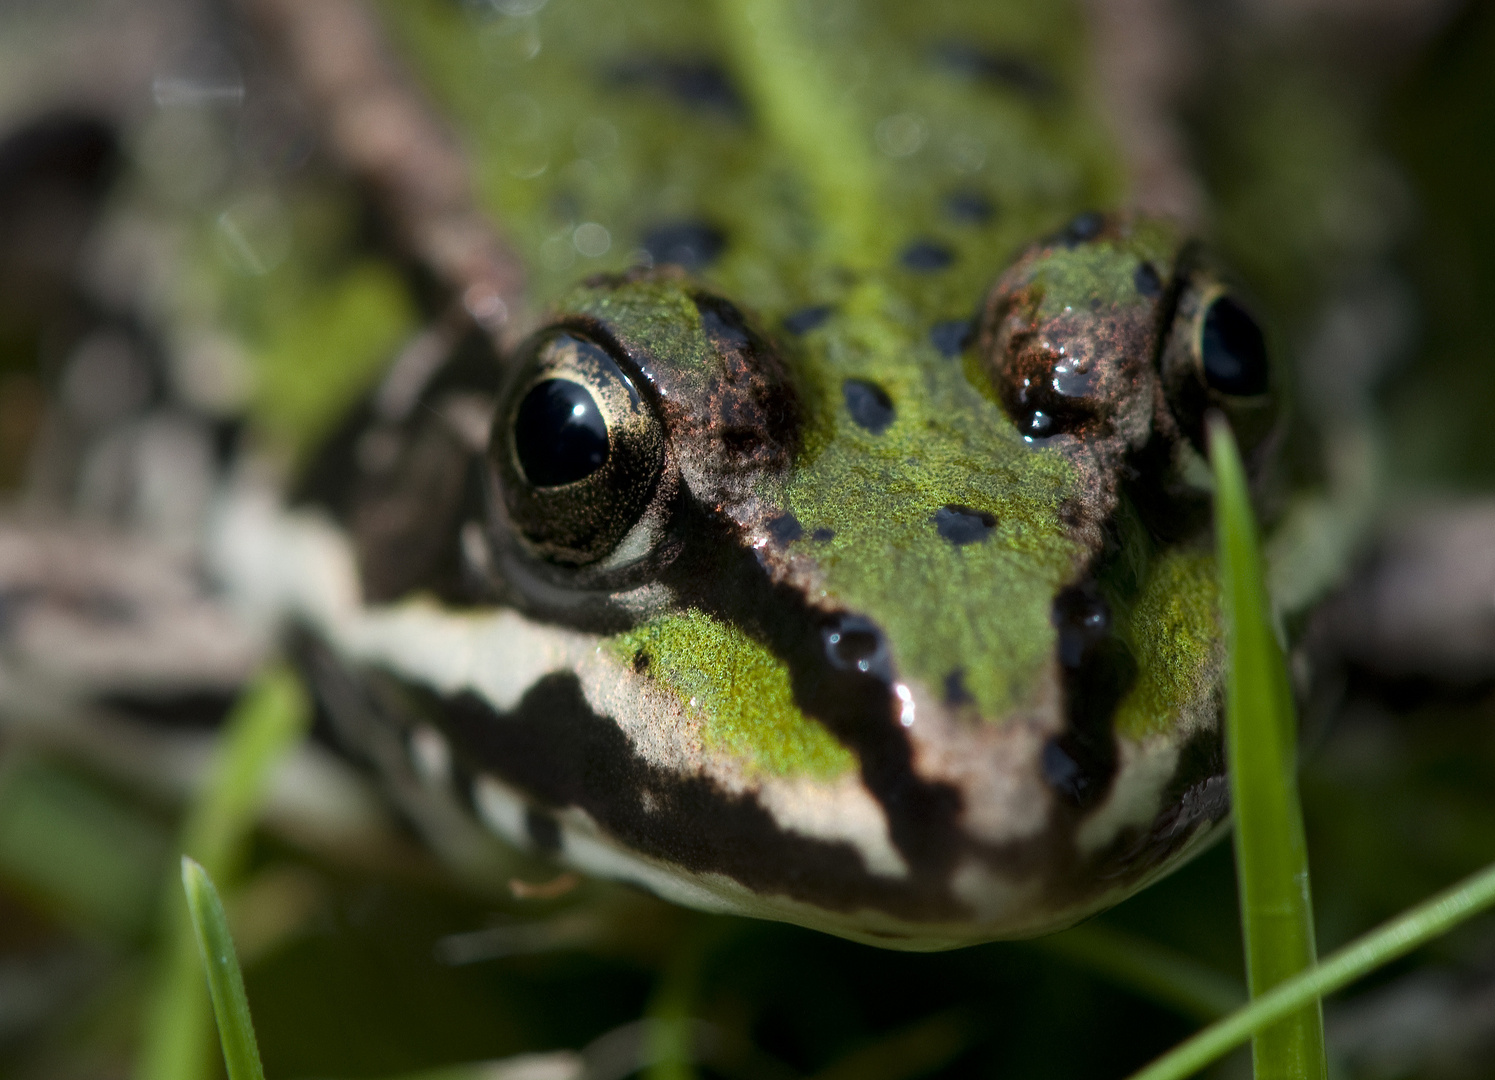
(868, 404)
(1233, 350)
(963, 525)
(854, 643)
(1147, 281)
(952, 336)
(700, 84)
(1071, 513)
(1097, 670)
(559, 434)
(955, 688)
(926, 256)
(822, 534)
(996, 68)
(806, 319)
(640, 662)
(543, 830)
(691, 245)
(1082, 229)
(785, 529)
(969, 207)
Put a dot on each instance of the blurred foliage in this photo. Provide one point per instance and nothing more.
(1440, 124)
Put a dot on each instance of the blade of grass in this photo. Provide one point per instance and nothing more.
(1398, 937)
(1261, 749)
(241, 1054)
(268, 720)
(805, 113)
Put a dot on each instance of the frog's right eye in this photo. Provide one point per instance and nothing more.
(1215, 357)
(577, 449)
(1232, 350)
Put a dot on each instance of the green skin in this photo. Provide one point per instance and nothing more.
(816, 215)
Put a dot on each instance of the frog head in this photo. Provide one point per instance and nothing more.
(914, 648)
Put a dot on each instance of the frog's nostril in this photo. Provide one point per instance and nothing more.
(854, 643)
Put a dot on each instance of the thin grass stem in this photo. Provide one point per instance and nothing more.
(1271, 854)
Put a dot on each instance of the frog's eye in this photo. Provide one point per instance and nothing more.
(577, 450)
(1232, 351)
(1215, 357)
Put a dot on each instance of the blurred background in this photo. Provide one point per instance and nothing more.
(1346, 155)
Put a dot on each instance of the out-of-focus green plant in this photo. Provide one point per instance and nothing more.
(268, 720)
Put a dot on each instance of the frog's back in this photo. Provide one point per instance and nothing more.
(772, 148)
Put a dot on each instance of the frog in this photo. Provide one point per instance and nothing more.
(754, 571)
(761, 513)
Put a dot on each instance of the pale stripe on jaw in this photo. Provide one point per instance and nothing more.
(284, 566)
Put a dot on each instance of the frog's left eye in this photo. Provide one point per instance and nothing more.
(1215, 357)
(578, 451)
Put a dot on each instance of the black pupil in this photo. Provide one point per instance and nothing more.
(1235, 354)
(559, 434)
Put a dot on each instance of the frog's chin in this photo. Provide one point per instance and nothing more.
(1001, 907)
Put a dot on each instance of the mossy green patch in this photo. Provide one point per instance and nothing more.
(1174, 631)
(981, 607)
(1102, 273)
(741, 693)
(659, 312)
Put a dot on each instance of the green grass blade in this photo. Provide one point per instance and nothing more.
(805, 112)
(1261, 749)
(241, 1054)
(268, 720)
(1396, 938)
